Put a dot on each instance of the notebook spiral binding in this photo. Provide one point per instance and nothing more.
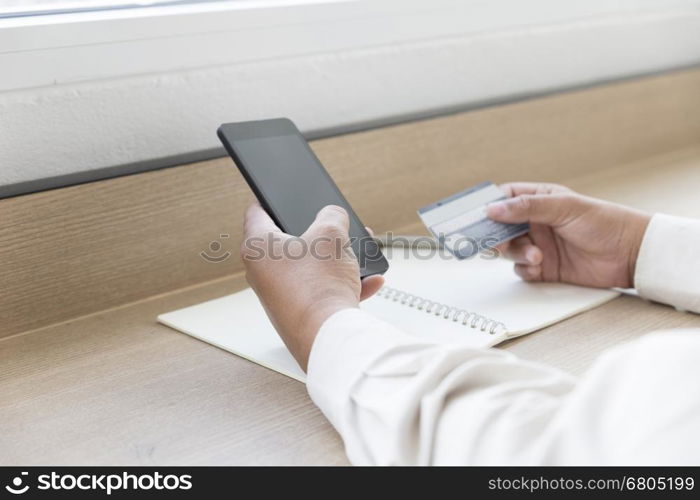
(468, 318)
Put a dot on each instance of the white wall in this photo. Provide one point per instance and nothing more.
(437, 55)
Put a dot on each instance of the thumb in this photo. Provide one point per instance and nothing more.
(538, 208)
(371, 285)
(330, 219)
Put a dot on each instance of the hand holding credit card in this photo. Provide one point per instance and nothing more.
(460, 223)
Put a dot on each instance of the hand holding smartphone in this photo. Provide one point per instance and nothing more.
(291, 183)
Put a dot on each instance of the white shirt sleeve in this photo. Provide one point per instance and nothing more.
(668, 266)
(396, 399)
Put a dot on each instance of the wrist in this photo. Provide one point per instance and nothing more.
(320, 311)
(313, 318)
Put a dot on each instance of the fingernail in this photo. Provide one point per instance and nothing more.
(532, 255)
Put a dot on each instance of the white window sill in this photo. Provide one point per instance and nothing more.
(84, 92)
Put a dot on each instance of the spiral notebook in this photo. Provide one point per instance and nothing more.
(478, 301)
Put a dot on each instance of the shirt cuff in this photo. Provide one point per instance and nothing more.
(346, 344)
(668, 265)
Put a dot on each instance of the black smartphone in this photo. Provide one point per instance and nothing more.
(291, 183)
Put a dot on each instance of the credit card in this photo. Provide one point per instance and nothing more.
(460, 223)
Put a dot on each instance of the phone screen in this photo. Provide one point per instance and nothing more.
(294, 186)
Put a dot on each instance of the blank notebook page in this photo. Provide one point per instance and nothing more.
(238, 323)
(488, 287)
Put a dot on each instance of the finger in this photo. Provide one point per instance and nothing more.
(502, 249)
(512, 189)
(371, 285)
(369, 230)
(528, 273)
(330, 219)
(523, 251)
(548, 209)
(257, 221)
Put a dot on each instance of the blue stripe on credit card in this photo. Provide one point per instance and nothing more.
(460, 222)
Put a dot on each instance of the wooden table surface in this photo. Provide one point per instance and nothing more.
(115, 387)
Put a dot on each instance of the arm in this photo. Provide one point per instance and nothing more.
(396, 400)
